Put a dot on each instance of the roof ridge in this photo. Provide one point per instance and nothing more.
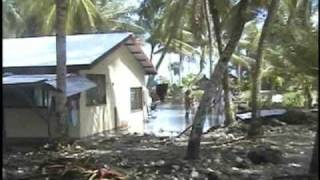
(70, 35)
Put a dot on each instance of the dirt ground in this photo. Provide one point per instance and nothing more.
(224, 156)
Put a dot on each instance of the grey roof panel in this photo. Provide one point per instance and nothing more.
(75, 84)
(14, 80)
(41, 51)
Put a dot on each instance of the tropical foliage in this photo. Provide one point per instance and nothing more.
(37, 17)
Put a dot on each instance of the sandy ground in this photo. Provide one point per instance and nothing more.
(223, 156)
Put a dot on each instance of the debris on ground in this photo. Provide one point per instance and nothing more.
(226, 154)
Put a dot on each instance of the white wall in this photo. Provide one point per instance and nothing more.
(122, 72)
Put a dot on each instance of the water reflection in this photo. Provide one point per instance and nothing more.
(169, 120)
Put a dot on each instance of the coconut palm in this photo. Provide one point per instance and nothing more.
(84, 16)
(255, 128)
(61, 64)
(213, 87)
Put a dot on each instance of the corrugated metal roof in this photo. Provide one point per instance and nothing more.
(12, 80)
(75, 83)
(41, 51)
(27, 78)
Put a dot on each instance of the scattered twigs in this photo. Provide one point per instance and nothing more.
(232, 141)
(212, 129)
(184, 131)
(93, 175)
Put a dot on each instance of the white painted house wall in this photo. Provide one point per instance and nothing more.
(122, 72)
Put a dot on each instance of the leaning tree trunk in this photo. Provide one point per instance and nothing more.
(209, 26)
(225, 83)
(152, 51)
(61, 6)
(174, 27)
(211, 91)
(164, 52)
(255, 128)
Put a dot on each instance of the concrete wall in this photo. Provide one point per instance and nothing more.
(122, 72)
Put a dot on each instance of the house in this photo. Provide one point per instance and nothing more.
(105, 85)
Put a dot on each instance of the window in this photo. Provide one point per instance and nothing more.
(136, 98)
(25, 96)
(97, 95)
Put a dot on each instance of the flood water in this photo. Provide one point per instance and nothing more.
(169, 120)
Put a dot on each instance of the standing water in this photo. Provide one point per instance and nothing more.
(169, 120)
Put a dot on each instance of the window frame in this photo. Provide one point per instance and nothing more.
(136, 107)
(44, 96)
(95, 90)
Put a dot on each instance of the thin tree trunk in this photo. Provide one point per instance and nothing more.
(210, 93)
(308, 97)
(174, 26)
(255, 128)
(239, 74)
(61, 65)
(181, 57)
(164, 52)
(152, 51)
(4, 135)
(314, 165)
(180, 68)
(209, 26)
(202, 58)
(225, 83)
(228, 114)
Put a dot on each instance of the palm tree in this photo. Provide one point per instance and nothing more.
(61, 64)
(166, 32)
(255, 128)
(212, 90)
(37, 17)
(12, 20)
(225, 81)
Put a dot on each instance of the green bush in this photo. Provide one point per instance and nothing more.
(293, 99)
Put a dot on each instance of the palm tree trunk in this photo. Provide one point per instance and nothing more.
(255, 128)
(164, 52)
(209, 26)
(225, 83)
(308, 97)
(4, 136)
(314, 165)
(181, 58)
(152, 51)
(226, 98)
(61, 64)
(202, 57)
(210, 93)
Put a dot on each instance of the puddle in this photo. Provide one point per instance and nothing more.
(169, 120)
